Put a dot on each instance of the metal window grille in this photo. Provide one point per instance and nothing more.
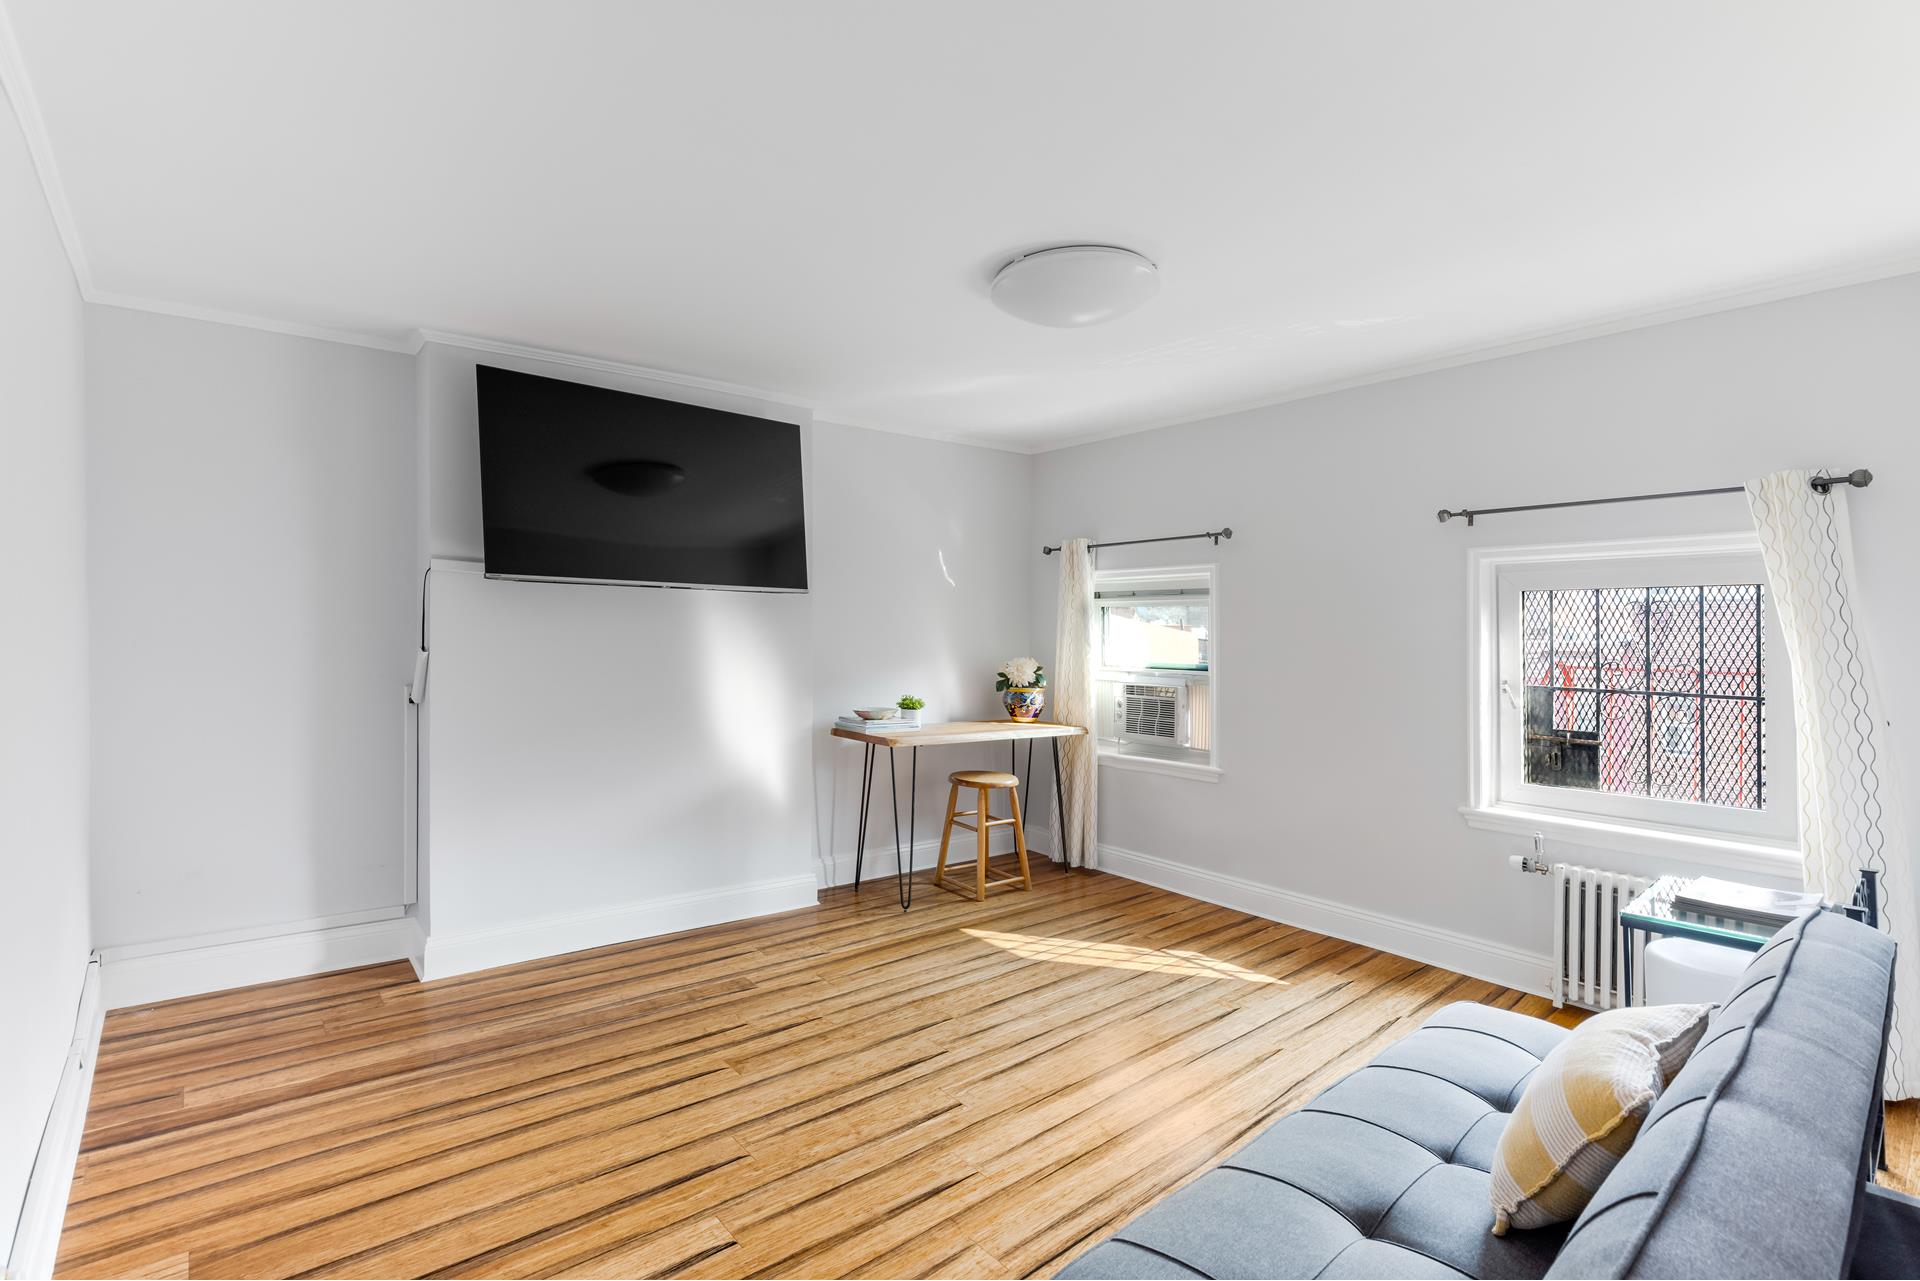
(1647, 691)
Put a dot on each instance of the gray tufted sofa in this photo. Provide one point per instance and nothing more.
(1756, 1161)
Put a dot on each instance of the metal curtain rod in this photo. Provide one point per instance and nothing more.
(1859, 478)
(1215, 534)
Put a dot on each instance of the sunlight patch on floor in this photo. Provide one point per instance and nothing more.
(1119, 956)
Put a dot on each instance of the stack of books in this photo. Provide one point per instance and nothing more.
(1716, 897)
(891, 725)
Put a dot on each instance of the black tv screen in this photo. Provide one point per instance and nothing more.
(582, 484)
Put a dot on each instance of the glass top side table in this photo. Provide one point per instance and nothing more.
(1653, 911)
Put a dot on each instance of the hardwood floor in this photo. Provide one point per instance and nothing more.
(961, 1090)
(1903, 1148)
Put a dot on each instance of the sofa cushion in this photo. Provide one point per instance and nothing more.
(1583, 1108)
(1753, 1161)
(1384, 1174)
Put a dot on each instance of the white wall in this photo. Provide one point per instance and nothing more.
(601, 762)
(921, 557)
(595, 751)
(606, 761)
(43, 667)
(1342, 728)
(251, 523)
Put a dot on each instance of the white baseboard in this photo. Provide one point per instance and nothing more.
(881, 861)
(145, 972)
(1462, 953)
(36, 1242)
(447, 954)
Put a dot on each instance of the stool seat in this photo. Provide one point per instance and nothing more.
(983, 778)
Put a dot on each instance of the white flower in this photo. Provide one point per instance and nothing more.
(1021, 671)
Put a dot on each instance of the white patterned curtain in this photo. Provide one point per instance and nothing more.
(1848, 816)
(1073, 705)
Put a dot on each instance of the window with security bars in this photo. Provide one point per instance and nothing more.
(1647, 691)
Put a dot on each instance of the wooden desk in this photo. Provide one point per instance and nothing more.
(946, 734)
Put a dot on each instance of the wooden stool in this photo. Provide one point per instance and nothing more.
(984, 782)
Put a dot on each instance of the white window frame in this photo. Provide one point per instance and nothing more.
(1499, 799)
(1115, 755)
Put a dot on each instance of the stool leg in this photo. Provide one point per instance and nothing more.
(946, 833)
(980, 865)
(1020, 839)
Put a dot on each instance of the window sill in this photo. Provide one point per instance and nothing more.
(1732, 853)
(1158, 765)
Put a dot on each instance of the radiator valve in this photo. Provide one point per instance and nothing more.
(1535, 862)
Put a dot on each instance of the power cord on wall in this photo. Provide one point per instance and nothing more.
(417, 688)
(416, 695)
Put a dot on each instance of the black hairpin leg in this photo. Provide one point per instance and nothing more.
(866, 792)
(1026, 792)
(1059, 807)
(903, 854)
(903, 857)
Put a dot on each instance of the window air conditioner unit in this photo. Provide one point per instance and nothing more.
(1153, 712)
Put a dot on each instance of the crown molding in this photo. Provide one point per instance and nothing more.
(936, 436)
(1623, 322)
(406, 344)
(1778, 290)
(603, 365)
(18, 89)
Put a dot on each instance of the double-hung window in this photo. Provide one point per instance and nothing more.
(1155, 668)
(1636, 693)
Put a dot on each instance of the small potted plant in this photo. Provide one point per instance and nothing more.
(1021, 688)
(910, 708)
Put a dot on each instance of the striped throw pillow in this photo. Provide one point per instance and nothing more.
(1582, 1109)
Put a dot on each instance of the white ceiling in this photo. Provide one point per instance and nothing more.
(809, 198)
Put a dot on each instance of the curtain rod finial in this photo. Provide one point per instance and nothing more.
(1859, 478)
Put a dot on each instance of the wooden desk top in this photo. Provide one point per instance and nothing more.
(945, 732)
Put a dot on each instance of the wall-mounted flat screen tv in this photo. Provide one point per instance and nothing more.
(584, 485)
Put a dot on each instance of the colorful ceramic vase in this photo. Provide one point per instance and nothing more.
(1024, 704)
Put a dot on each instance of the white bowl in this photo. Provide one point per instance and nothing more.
(873, 713)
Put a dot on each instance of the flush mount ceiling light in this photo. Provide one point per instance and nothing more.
(1074, 285)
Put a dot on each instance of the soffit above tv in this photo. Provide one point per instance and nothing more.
(1335, 193)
